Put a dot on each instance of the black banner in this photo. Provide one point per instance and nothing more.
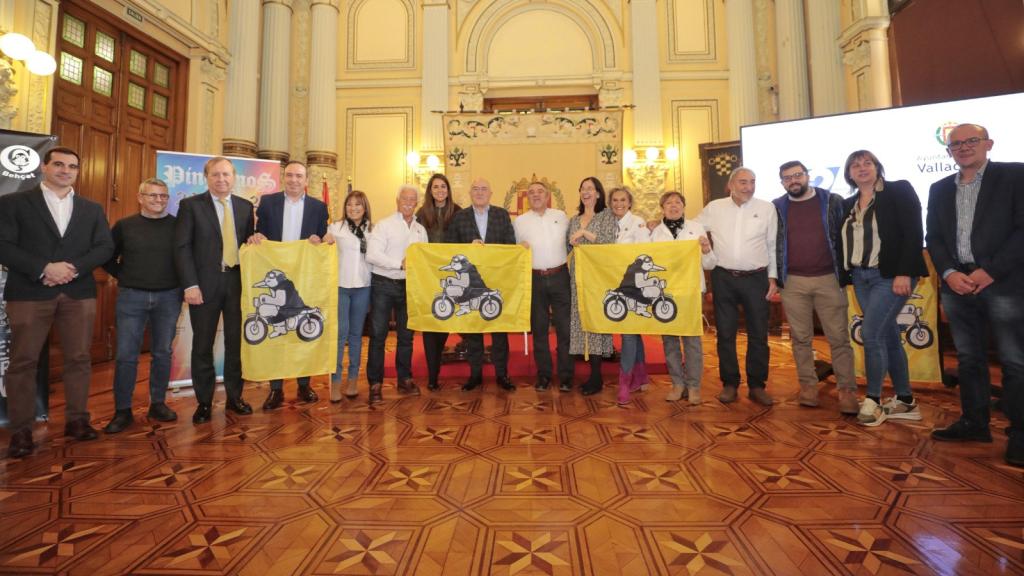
(21, 159)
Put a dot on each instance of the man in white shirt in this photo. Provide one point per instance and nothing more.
(743, 230)
(542, 230)
(51, 239)
(287, 216)
(385, 253)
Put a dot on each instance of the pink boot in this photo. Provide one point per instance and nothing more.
(625, 381)
(639, 380)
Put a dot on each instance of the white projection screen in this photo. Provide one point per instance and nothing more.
(908, 141)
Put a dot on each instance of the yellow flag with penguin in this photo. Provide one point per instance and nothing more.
(468, 288)
(290, 306)
(651, 288)
(917, 322)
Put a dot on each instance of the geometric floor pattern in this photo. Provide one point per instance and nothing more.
(525, 483)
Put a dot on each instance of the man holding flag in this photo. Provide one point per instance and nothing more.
(287, 216)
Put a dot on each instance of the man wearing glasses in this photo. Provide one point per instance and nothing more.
(811, 280)
(976, 241)
(148, 293)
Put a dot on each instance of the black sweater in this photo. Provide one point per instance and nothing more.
(144, 253)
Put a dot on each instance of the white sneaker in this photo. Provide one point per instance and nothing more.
(871, 414)
(895, 409)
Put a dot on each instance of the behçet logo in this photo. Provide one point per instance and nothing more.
(942, 132)
(19, 160)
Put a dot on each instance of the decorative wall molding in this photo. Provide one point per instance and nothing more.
(712, 106)
(40, 88)
(595, 80)
(583, 13)
(352, 113)
(353, 37)
(169, 22)
(710, 51)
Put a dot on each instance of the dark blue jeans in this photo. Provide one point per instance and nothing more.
(883, 345)
(998, 308)
(353, 304)
(136, 308)
(730, 294)
(387, 295)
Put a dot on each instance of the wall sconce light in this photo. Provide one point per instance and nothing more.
(20, 47)
(423, 167)
(648, 176)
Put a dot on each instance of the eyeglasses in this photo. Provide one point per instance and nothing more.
(972, 142)
(163, 197)
(794, 176)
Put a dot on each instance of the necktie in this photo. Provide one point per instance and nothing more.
(227, 235)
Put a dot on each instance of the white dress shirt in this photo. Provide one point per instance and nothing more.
(291, 228)
(60, 208)
(744, 236)
(385, 248)
(691, 230)
(546, 236)
(632, 230)
(353, 271)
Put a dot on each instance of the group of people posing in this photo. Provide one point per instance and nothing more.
(806, 246)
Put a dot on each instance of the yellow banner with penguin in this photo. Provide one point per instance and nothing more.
(468, 288)
(290, 309)
(918, 325)
(651, 288)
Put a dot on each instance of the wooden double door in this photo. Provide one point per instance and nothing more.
(119, 96)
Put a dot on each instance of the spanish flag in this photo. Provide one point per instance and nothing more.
(651, 288)
(468, 288)
(289, 309)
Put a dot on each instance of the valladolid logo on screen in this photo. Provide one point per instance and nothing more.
(938, 162)
(19, 162)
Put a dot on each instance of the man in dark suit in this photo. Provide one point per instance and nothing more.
(976, 241)
(284, 217)
(482, 223)
(51, 239)
(211, 227)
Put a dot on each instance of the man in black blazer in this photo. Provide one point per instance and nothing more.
(284, 217)
(51, 239)
(976, 241)
(482, 223)
(208, 270)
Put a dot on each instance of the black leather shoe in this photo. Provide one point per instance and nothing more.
(1015, 451)
(80, 430)
(375, 397)
(471, 384)
(960, 431)
(506, 384)
(121, 420)
(433, 386)
(565, 385)
(589, 390)
(542, 383)
(307, 396)
(202, 414)
(274, 400)
(161, 413)
(238, 406)
(21, 444)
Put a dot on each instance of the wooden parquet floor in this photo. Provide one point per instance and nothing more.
(525, 483)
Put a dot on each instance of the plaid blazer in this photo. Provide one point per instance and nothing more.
(463, 230)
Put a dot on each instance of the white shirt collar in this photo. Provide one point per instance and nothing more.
(53, 195)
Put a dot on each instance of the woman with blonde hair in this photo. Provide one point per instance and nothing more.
(351, 233)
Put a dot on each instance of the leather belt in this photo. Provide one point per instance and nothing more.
(383, 278)
(550, 271)
(224, 268)
(743, 273)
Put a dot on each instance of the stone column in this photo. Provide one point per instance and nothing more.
(791, 46)
(828, 92)
(321, 154)
(243, 86)
(435, 74)
(275, 80)
(739, 21)
(647, 122)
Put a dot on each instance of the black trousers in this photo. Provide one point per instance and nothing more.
(433, 348)
(475, 354)
(223, 299)
(551, 294)
(730, 293)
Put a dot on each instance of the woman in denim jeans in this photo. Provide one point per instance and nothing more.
(882, 244)
(351, 233)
